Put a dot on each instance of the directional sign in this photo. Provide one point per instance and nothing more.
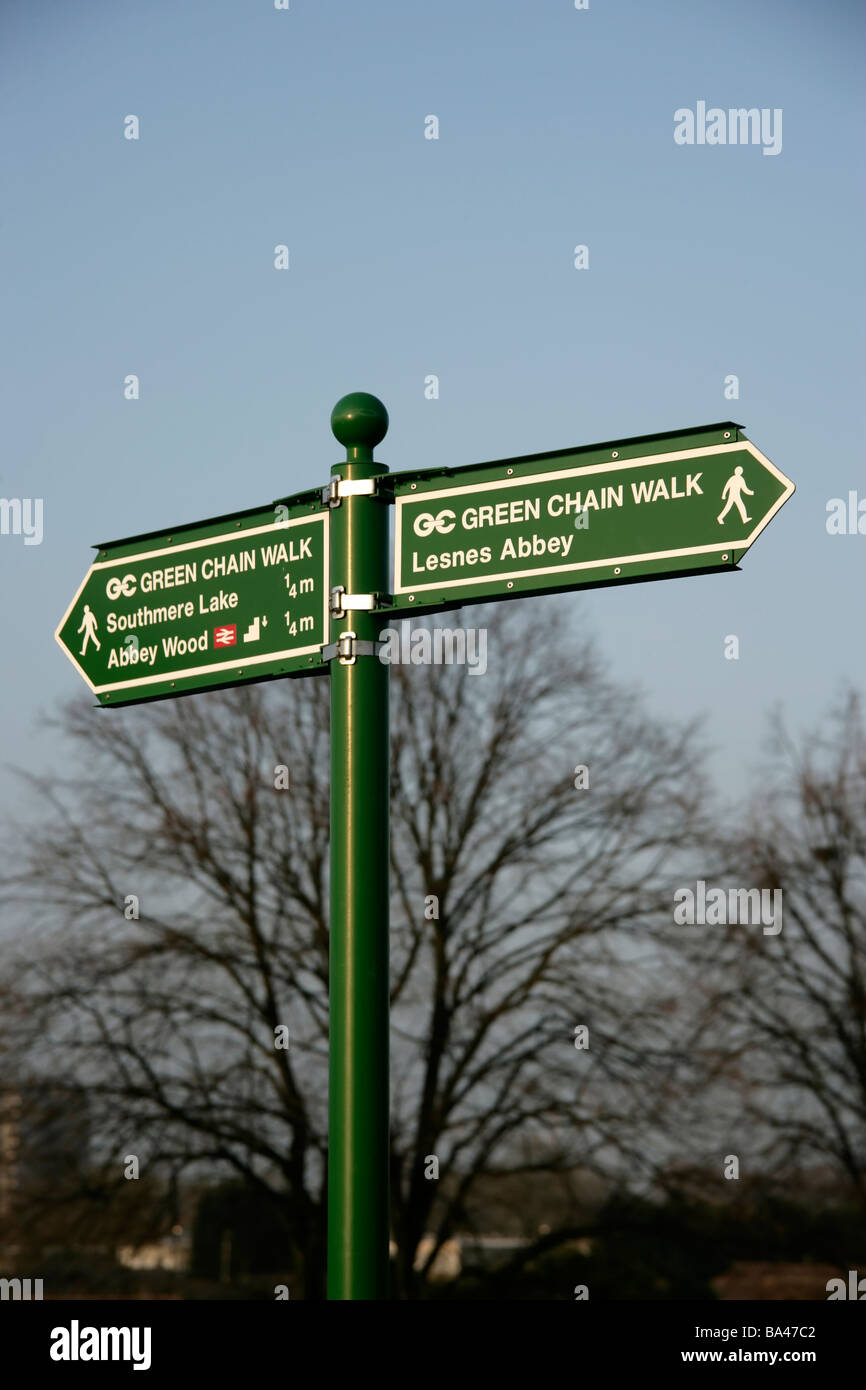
(239, 598)
(645, 508)
(251, 597)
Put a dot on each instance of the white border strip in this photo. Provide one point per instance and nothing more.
(235, 535)
(647, 461)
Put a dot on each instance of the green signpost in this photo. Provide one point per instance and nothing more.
(303, 586)
(358, 1101)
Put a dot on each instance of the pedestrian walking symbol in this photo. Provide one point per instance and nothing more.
(88, 627)
(734, 489)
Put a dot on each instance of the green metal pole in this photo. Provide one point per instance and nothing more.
(358, 1157)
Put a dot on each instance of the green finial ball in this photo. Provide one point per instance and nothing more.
(359, 420)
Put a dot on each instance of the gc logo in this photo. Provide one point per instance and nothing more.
(125, 586)
(426, 522)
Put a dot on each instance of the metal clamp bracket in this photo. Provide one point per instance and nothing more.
(341, 602)
(348, 647)
(338, 488)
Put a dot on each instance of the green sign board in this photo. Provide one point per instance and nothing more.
(238, 598)
(634, 509)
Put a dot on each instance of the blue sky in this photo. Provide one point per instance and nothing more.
(412, 256)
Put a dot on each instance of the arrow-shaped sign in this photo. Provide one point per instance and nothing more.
(646, 508)
(239, 598)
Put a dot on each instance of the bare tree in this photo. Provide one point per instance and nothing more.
(770, 1047)
(791, 1004)
(173, 915)
(544, 892)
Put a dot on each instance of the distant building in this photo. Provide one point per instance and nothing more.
(462, 1252)
(168, 1252)
(44, 1138)
(9, 1136)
